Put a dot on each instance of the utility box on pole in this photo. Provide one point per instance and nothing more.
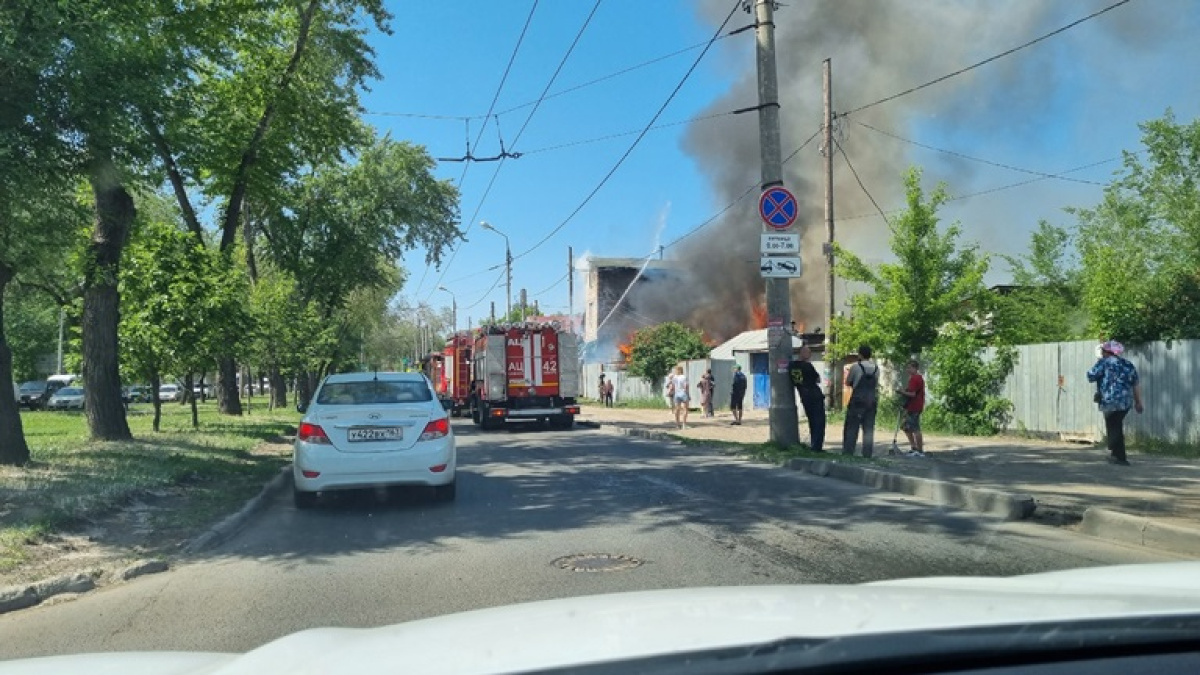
(778, 209)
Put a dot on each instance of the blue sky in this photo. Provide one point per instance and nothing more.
(1069, 101)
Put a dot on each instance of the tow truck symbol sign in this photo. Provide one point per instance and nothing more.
(780, 267)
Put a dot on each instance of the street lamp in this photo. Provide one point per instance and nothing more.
(453, 308)
(507, 268)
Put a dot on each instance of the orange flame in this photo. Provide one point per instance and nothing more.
(758, 315)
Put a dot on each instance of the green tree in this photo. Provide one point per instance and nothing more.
(934, 281)
(180, 305)
(1140, 246)
(276, 102)
(340, 232)
(967, 382)
(1044, 304)
(655, 350)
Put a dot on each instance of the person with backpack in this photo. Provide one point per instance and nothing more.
(863, 383)
(1119, 389)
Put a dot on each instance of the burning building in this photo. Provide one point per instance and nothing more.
(615, 302)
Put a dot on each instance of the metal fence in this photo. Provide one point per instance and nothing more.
(1051, 395)
(628, 387)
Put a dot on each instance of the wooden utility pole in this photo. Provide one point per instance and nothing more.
(784, 422)
(831, 351)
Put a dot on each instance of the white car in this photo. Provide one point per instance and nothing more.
(365, 430)
(67, 398)
(170, 392)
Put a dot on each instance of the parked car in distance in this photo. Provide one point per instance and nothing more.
(67, 398)
(34, 394)
(138, 393)
(366, 430)
(170, 392)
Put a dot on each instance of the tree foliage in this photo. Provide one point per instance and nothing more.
(656, 350)
(934, 281)
(182, 304)
(1140, 247)
(1044, 303)
(966, 382)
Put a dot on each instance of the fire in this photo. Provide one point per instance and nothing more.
(626, 349)
(758, 315)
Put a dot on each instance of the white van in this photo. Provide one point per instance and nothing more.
(63, 380)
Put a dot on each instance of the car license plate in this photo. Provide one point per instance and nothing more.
(358, 434)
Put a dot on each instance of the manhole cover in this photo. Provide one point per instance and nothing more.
(596, 562)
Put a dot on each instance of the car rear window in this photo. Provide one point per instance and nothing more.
(69, 391)
(373, 392)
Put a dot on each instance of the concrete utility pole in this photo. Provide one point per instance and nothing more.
(523, 305)
(493, 319)
(508, 260)
(570, 290)
(784, 422)
(831, 350)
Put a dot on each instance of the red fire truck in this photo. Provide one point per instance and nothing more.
(456, 373)
(525, 371)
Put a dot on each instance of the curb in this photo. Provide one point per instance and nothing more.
(225, 529)
(980, 500)
(21, 597)
(1005, 505)
(1140, 531)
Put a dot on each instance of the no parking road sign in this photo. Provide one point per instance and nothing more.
(778, 207)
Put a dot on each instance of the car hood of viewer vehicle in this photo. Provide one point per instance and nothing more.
(606, 628)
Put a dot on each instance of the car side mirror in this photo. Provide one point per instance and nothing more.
(301, 408)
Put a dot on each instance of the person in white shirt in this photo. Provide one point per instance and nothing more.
(677, 387)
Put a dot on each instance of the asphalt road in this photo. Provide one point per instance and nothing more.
(525, 499)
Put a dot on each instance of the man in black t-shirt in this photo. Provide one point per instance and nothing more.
(807, 381)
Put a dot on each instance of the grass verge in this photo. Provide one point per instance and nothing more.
(778, 454)
(657, 403)
(195, 476)
(1164, 448)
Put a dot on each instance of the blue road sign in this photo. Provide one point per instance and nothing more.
(778, 207)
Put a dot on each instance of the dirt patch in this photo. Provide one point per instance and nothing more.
(149, 523)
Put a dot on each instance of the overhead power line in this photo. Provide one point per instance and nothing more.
(547, 97)
(988, 60)
(470, 148)
(622, 134)
(861, 185)
(491, 182)
(1000, 188)
(749, 189)
(953, 153)
(486, 293)
(637, 140)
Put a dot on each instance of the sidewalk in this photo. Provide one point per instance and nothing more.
(1065, 480)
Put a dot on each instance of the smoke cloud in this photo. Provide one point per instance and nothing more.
(877, 48)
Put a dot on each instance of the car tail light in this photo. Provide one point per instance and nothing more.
(311, 474)
(312, 433)
(436, 429)
(438, 468)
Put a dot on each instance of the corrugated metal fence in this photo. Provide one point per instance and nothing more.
(627, 387)
(1051, 395)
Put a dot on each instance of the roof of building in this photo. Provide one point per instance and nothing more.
(634, 263)
(750, 341)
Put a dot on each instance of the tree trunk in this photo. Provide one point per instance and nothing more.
(155, 383)
(190, 385)
(278, 388)
(228, 402)
(303, 388)
(13, 448)
(101, 302)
